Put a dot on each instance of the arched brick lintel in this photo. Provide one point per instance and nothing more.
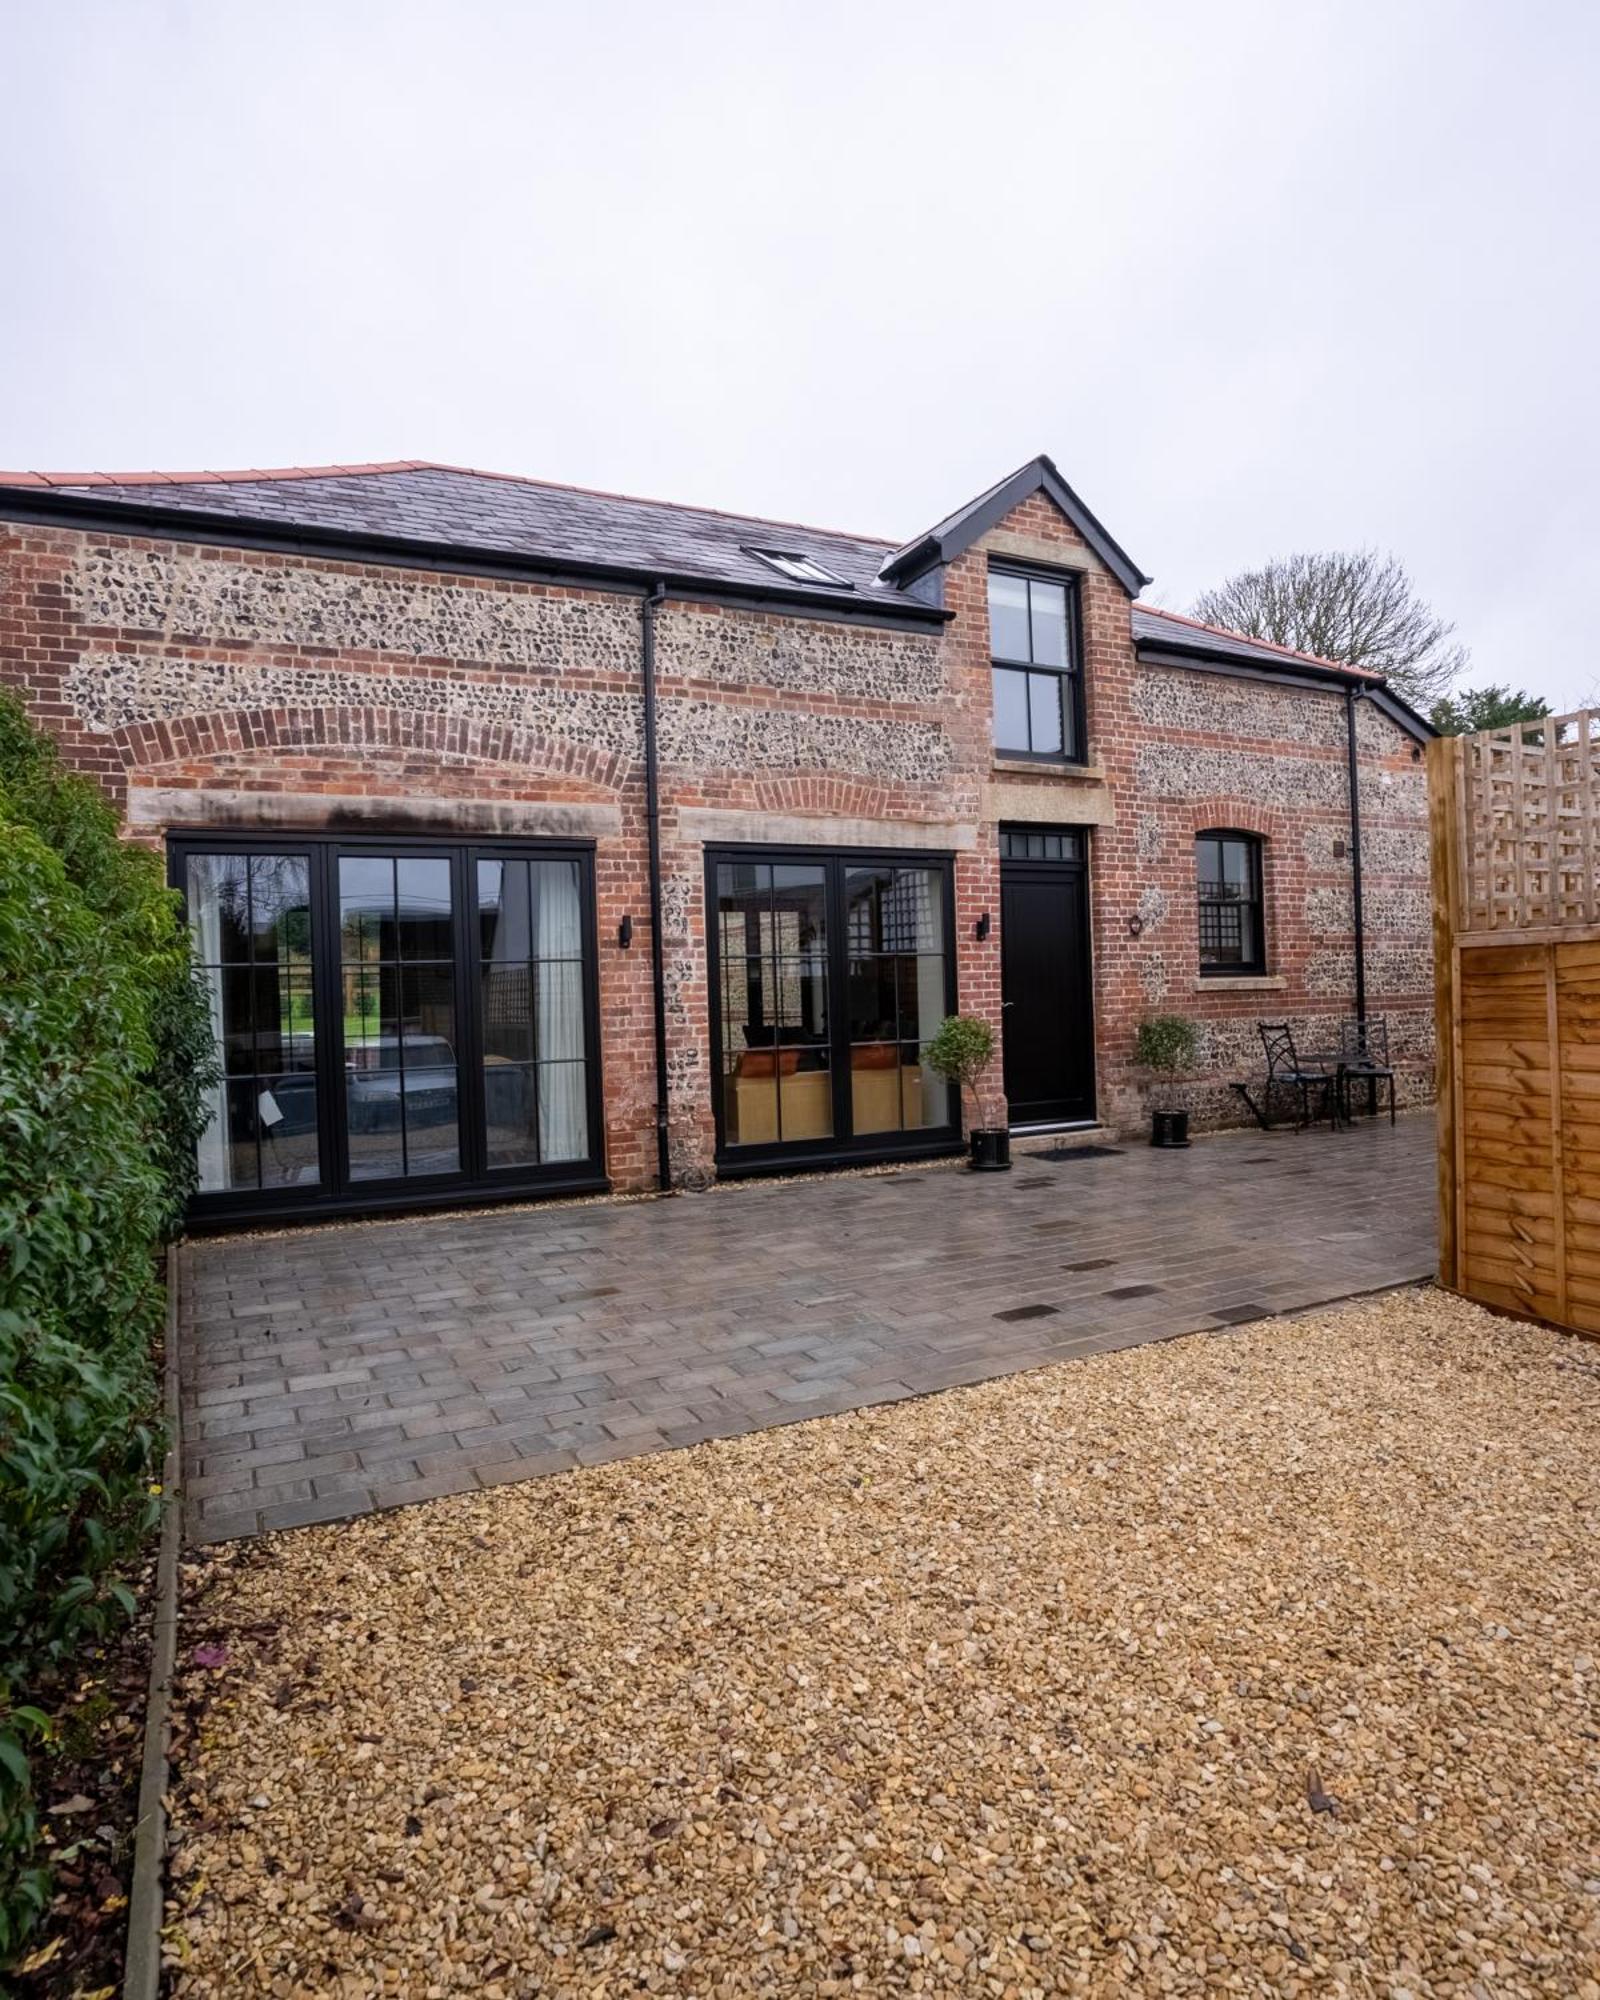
(1221, 814)
(145, 747)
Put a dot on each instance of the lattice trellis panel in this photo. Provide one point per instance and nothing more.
(1528, 805)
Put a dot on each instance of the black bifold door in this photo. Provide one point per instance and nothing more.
(395, 1022)
(829, 975)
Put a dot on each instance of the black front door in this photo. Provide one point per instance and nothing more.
(1044, 957)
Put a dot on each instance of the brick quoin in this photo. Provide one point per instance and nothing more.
(395, 698)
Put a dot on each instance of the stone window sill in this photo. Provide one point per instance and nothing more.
(1250, 982)
(1041, 767)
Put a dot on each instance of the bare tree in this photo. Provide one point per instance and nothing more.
(1358, 608)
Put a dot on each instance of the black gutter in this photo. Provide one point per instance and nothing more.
(652, 820)
(1351, 697)
(44, 507)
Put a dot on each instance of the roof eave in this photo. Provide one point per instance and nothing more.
(50, 505)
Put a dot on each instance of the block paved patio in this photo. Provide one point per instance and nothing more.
(330, 1371)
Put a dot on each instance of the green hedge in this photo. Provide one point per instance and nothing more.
(104, 1043)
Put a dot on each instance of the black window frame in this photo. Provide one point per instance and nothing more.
(778, 1156)
(1254, 846)
(1069, 677)
(474, 1183)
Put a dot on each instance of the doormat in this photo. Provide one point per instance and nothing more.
(1062, 1154)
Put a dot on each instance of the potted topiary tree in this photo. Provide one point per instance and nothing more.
(960, 1052)
(1166, 1043)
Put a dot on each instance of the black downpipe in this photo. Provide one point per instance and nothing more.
(1355, 853)
(652, 820)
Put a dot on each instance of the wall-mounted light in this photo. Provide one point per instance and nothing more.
(625, 932)
(980, 929)
(1136, 925)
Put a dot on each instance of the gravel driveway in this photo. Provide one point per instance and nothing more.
(1260, 1661)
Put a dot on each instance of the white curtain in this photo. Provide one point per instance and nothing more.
(559, 1044)
(205, 928)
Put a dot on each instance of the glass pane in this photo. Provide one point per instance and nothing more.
(284, 1019)
(424, 890)
(920, 990)
(1008, 616)
(280, 906)
(371, 1015)
(865, 891)
(428, 1013)
(1010, 709)
(430, 1121)
(1049, 601)
(219, 907)
(377, 1152)
(508, 1097)
(235, 986)
(508, 1013)
(505, 927)
(1235, 866)
(800, 987)
(558, 910)
(286, 1112)
(875, 1087)
(744, 895)
(241, 1127)
(1045, 693)
(752, 1001)
(1208, 866)
(750, 1097)
(563, 1111)
(925, 1095)
(366, 906)
(800, 916)
(913, 911)
(805, 1096)
(873, 1011)
(559, 1001)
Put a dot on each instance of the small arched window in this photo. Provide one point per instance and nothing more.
(1233, 935)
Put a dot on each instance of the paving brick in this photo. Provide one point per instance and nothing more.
(764, 1305)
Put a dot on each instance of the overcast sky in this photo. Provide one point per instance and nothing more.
(1261, 277)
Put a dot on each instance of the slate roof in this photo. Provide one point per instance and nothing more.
(1172, 632)
(1192, 635)
(464, 509)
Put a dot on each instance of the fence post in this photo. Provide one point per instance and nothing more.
(1443, 776)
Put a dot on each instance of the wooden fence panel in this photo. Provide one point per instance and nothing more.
(1508, 1234)
(1514, 819)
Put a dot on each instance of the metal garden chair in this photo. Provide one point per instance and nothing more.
(1307, 1077)
(1364, 1058)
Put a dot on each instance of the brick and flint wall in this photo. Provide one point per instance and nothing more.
(208, 687)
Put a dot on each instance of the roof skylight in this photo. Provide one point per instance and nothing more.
(799, 568)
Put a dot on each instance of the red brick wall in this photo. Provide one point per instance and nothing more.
(256, 685)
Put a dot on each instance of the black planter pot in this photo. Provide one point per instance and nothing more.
(1169, 1128)
(991, 1150)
